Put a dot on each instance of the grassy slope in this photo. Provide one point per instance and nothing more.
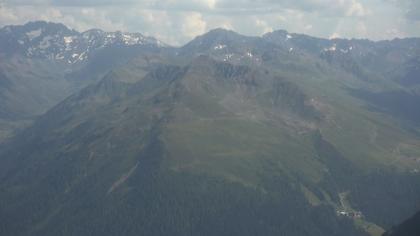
(375, 142)
(239, 138)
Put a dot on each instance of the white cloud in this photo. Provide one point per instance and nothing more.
(102, 20)
(357, 9)
(410, 8)
(193, 25)
(264, 26)
(361, 29)
(177, 21)
(334, 35)
(394, 33)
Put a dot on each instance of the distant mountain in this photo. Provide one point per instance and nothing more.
(283, 134)
(42, 63)
(365, 59)
(57, 42)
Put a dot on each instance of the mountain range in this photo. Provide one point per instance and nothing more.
(285, 134)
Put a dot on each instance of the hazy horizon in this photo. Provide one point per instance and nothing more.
(177, 22)
(209, 30)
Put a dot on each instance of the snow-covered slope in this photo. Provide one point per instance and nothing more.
(57, 42)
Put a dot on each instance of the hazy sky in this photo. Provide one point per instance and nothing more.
(177, 21)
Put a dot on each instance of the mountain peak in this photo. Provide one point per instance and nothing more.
(221, 34)
(221, 31)
(279, 34)
(55, 41)
(38, 26)
(216, 40)
(41, 24)
(48, 27)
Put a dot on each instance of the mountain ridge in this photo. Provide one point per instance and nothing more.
(56, 41)
(227, 130)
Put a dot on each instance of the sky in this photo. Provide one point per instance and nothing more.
(178, 21)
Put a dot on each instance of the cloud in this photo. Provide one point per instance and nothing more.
(413, 10)
(324, 7)
(263, 26)
(178, 21)
(77, 18)
(410, 8)
(357, 9)
(68, 2)
(193, 25)
(332, 7)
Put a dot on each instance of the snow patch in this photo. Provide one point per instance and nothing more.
(219, 47)
(68, 40)
(130, 40)
(331, 49)
(160, 44)
(74, 48)
(82, 56)
(227, 57)
(77, 57)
